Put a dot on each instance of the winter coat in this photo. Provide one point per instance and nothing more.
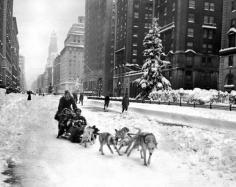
(81, 97)
(107, 99)
(63, 103)
(125, 101)
(29, 95)
(75, 97)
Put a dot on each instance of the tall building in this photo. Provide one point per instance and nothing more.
(9, 46)
(190, 32)
(227, 75)
(70, 63)
(99, 46)
(133, 20)
(16, 71)
(22, 72)
(56, 74)
(52, 53)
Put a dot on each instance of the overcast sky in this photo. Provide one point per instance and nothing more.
(36, 20)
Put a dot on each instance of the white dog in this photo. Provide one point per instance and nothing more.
(88, 136)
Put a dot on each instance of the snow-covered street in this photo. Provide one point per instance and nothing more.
(186, 156)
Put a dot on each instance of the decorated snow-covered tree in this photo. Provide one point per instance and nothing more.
(152, 79)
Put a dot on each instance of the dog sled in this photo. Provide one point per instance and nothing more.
(72, 126)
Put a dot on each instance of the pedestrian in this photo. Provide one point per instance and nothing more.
(75, 97)
(125, 103)
(29, 95)
(106, 103)
(66, 101)
(81, 98)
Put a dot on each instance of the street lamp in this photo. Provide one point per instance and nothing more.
(119, 88)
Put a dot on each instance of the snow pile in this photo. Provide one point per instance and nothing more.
(11, 126)
(197, 95)
(207, 150)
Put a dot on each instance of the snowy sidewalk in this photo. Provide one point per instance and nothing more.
(194, 117)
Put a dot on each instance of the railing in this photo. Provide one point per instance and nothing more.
(227, 107)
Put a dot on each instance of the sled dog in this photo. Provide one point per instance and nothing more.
(120, 134)
(146, 141)
(126, 138)
(108, 139)
(88, 136)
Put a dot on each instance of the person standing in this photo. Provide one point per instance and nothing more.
(106, 103)
(75, 97)
(125, 103)
(66, 101)
(29, 95)
(81, 99)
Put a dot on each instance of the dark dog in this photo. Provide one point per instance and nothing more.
(108, 139)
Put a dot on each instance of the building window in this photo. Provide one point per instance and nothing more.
(173, 19)
(173, 7)
(206, 6)
(233, 5)
(136, 5)
(212, 7)
(210, 47)
(135, 52)
(165, 11)
(211, 20)
(204, 46)
(191, 4)
(230, 79)
(189, 44)
(189, 60)
(205, 19)
(231, 38)
(210, 34)
(231, 61)
(191, 18)
(190, 32)
(136, 15)
(134, 60)
(233, 22)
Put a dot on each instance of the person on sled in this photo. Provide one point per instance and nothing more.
(76, 126)
(65, 102)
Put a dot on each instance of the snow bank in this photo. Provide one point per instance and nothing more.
(197, 95)
(11, 127)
